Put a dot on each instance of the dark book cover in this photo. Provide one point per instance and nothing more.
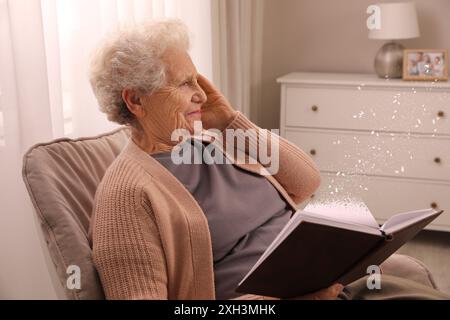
(314, 256)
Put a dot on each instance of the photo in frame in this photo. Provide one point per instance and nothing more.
(425, 64)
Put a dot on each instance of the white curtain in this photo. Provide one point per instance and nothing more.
(45, 94)
(237, 49)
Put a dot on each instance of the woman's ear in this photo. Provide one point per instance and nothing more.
(133, 102)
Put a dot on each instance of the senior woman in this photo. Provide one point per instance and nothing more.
(162, 230)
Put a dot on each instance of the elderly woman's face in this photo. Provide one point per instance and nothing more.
(178, 104)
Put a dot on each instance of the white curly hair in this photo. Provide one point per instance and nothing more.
(132, 58)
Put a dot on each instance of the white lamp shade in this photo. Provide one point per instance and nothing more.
(398, 21)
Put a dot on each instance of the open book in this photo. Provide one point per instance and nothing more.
(315, 250)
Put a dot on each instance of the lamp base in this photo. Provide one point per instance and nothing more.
(389, 61)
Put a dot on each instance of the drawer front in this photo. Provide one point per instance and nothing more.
(376, 153)
(386, 196)
(368, 109)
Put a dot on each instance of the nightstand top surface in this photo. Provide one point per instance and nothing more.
(355, 79)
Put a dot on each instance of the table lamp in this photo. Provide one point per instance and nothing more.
(397, 21)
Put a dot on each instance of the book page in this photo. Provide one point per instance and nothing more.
(350, 210)
(401, 220)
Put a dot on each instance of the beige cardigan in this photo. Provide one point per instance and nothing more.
(151, 238)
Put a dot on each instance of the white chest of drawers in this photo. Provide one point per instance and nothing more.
(386, 142)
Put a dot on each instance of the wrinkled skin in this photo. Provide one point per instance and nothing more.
(167, 109)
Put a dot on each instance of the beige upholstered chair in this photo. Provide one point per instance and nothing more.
(62, 176)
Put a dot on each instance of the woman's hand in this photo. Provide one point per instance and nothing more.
(329, 293)
(217, 112)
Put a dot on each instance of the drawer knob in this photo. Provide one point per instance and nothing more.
(437, 160)
(315, 108)
(434, 205)
(441, 114)
(313, 152)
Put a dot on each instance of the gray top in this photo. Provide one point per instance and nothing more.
(245, 212)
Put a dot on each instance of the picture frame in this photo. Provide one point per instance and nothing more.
(425, 64)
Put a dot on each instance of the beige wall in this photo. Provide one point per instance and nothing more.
(330, 36)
